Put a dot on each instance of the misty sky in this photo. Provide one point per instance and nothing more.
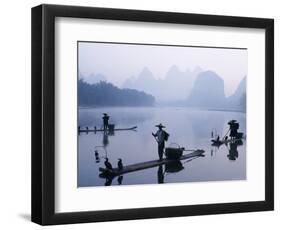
(121, 61)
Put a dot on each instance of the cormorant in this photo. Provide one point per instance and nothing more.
(120, 179)
(107, 164)
(108, 181)
(120, 164)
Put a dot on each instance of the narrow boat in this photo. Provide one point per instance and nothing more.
(148, 164)
(102, 130)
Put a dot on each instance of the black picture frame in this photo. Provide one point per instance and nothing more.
(43, 114)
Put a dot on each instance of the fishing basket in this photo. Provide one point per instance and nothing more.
(174, 151)
(240, 135)
(111, 127)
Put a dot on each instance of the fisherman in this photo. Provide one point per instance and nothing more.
(161, 136)
(105, 121)
(233, 127)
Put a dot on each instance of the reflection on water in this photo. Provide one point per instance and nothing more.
(170, 167)
(233, 151)
(192, 129)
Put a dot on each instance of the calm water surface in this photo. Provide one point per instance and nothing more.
(187, 127)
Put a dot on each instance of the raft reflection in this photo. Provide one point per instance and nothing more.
(164, 169)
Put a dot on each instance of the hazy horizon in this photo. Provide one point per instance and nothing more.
(120, 62)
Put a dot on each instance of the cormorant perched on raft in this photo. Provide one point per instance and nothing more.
(120, 164)
(107, 164)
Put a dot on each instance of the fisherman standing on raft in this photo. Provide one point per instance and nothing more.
(105, 121)
(233, 126)
(160, 136)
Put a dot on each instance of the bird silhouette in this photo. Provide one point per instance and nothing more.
(119, 180)
(108, 181)
(107, 164)
(97, 156)
(120, 164)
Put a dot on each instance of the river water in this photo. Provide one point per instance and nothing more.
(189, 128)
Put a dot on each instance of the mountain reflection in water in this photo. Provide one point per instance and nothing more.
(189, 128)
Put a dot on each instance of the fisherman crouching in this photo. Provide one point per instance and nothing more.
(233, 126)
(160, 136)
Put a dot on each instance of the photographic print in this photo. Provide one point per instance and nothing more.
(136, 102)
(156, 114)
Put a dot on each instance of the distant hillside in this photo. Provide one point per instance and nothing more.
(144, 82)
(106, 94)
(176, 84)
(243, 102)
(238, 99)
(197, 88)
(208, 91)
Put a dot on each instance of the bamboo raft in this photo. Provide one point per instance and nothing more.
(102, 130)
(148, 164)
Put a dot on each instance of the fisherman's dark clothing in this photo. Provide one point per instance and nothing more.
(233, 133)
(161, 142)
(233, 129)
(105, 122)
